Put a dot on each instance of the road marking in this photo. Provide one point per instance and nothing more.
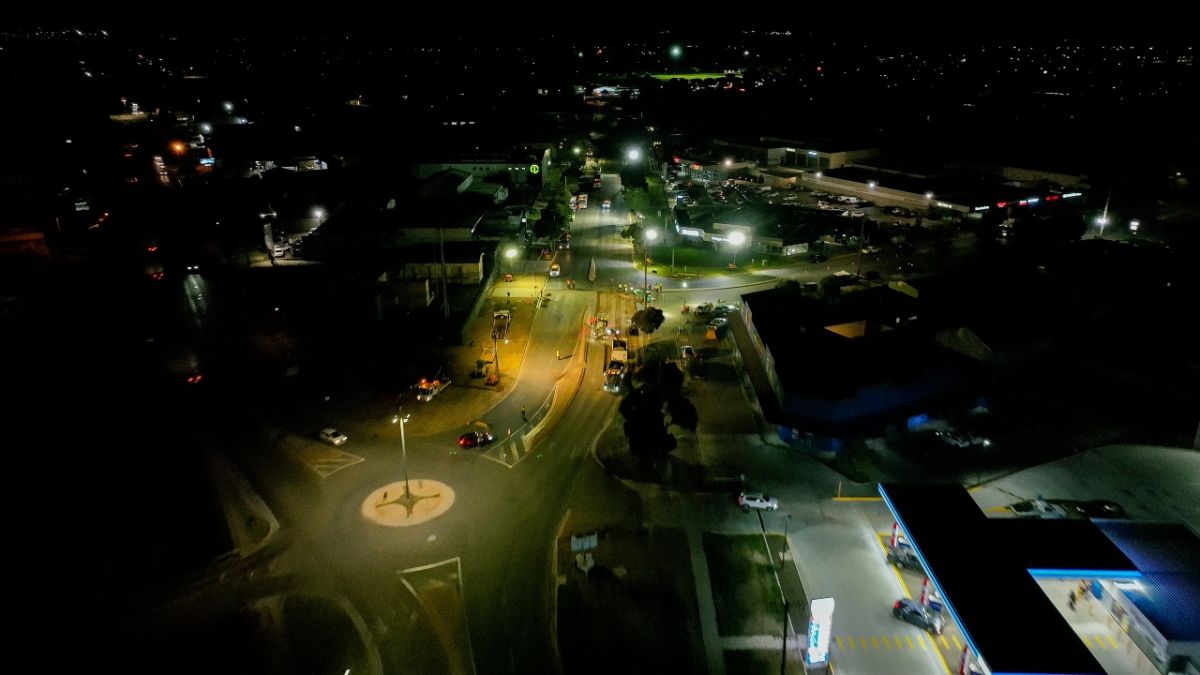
(895, 569)
(957, 643)
(1111, 641)
(874, 643)
(910, 642)
(839, 642)
(944, 643)
(942, 659)
(858, 499)
(862, 641)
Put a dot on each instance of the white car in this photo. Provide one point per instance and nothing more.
(607, 204)
(757, 500)
(280, 249)
(334, 437)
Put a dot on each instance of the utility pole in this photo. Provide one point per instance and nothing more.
(442, 255)
(861, 233)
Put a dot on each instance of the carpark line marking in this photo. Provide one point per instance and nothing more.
(858, 499)
(942, 659)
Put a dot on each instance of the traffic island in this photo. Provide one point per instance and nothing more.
(407, 503)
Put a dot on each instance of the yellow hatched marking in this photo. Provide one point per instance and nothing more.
(1111, 641)
(910, 644)
(945, 645)
(899, 644)
(839, 642)
(874, 643)
(957, 642)
(862, 641)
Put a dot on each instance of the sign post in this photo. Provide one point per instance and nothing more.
(820, 622)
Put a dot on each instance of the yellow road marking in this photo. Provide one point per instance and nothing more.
(874, 643)
(863, 641)
(899, 644)
(839, 642)
(886, 643)
(851, 642)
(945, 644)
(858, 499)
(957, 642)
(910, 644)
(1086, 640)
(941, 659)
(1111, 641)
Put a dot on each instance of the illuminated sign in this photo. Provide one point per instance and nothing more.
(1033, 200)
(982, 208)
(689, 232)
(1072, 194)
(820, 622)
(944, 205)
(534, 169)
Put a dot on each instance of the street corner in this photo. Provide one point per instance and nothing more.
(407, 503)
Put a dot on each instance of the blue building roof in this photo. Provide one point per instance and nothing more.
(1168, 555)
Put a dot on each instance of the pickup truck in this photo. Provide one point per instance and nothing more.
(427, 389)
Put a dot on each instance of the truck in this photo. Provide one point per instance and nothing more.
(428, 388)
(620, 352)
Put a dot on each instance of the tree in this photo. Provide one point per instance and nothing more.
(645, 425)
(683, 412)
(648, 320)
(632, 231)
(633, 177)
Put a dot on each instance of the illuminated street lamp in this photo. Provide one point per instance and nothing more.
(402, 420)
(816, 160)
(728, 162)
(1134, 225)
(736, 240)
(577, 150)
(634, 154)
(648, 236)
(928, 195)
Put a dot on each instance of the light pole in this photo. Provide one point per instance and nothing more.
(676, 52)
(402, 420)
(510, 253)
(736, 240)
(787, 520)
(650, 235)
(862, 230)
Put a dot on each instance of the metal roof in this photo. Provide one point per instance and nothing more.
(986, 571)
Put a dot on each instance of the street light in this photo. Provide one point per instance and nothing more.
(676, 52)
(402, 420)
(510, 253)
(1134, 225)
(634, 154)
(650, 235)
(816, 159)
(736, 239)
